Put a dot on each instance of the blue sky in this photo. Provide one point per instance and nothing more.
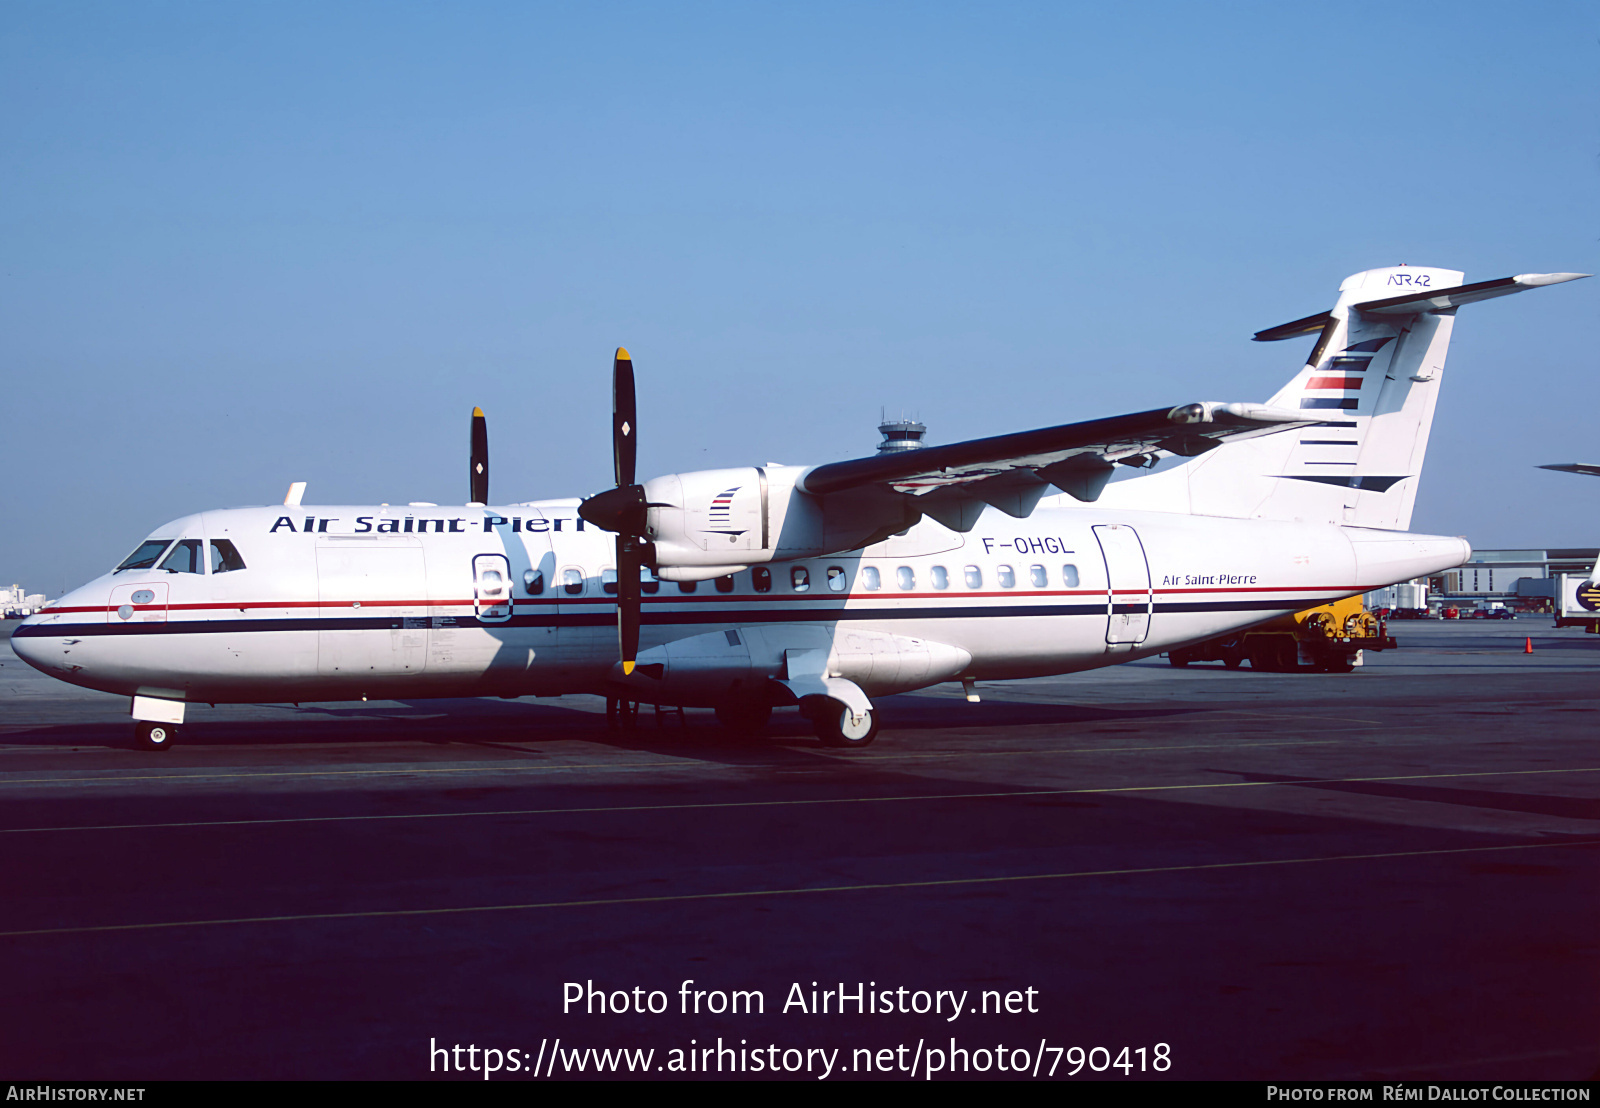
(247, 244)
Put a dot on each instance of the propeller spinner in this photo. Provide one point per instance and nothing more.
(624, 509)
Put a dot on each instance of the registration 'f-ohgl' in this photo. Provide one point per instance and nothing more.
(821, 586)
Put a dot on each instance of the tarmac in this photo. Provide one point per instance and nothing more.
(1391, 874)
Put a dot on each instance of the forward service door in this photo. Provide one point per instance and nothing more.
(373, 599)
(1129, 599)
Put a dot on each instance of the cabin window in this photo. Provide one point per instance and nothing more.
(941, 577)
(184, 558)
(724, 583)
(870, 579)
(837, 579)
(1069, 576)
(491, 583)
(648, 581)
(688, 586)
(761, 579)
(1008, 577)
(608, 581)
(572, 582)
(800, 578)
(145, 556)
(1038, 576)
(224, 557)
(974, 577)
(906, 578)
(532, 582)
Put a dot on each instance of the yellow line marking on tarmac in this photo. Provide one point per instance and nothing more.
(711, 806)
(742, 894)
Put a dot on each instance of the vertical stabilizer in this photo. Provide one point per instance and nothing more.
(1373, 379)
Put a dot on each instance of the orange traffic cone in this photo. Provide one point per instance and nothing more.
(1527, 647)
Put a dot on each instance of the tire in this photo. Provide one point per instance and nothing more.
(836, 725)
(1233, 660)
(1178, 661)
(744, 718)
(154, 736)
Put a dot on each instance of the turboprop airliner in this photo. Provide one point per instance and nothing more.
(820, 586)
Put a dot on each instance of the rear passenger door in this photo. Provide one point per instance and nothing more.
(1129, 600)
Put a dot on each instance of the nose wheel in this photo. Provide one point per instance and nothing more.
(154, 736)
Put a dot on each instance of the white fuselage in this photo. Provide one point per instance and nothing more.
(339, 603)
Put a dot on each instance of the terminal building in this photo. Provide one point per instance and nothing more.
(16, 603)
(1521, 580)
(1527, 580)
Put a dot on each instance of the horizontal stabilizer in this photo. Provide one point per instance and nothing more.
(1444, 299)
(1310, 325)
(1576, 467)
(1428, 300)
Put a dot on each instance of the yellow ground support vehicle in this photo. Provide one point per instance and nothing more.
(1324, 639)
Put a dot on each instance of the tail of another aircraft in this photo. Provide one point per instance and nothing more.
(1373, 379)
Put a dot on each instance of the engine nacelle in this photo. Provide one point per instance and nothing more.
(722, 518)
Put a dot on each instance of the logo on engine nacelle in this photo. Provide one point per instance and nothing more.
(721, 509)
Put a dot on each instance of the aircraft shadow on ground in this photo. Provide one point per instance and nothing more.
(524, 727)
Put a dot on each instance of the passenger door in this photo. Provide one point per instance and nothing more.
(1129, 600)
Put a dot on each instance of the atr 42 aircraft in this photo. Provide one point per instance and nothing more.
(822, 586)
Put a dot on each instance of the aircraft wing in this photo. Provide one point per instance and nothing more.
(1576, 467)
(1077, 458)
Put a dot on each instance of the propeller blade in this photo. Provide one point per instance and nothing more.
(479, 462)
(631, 555)
(624, 417)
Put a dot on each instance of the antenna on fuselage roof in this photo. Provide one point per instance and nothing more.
(296, 490)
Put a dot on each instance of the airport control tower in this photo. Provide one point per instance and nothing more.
(901, 434)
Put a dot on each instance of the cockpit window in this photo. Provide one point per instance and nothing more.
(224, 557)
(145, 556)
(184, 558)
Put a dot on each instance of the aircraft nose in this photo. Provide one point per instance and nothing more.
(27, 647)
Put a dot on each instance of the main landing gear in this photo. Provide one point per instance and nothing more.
(837, 725)
(154, 736)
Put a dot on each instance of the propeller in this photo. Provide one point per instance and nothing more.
(479, 474)
(624, 509)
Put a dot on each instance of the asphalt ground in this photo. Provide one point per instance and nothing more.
(1389, 874)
